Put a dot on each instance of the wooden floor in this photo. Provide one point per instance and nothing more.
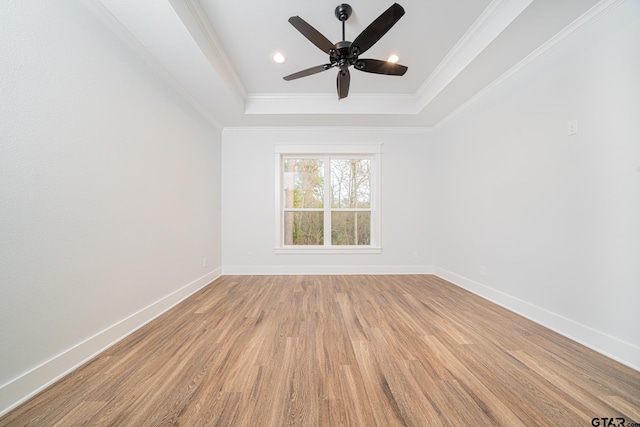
(338, 350)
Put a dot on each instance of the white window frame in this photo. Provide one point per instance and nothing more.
(373, 152)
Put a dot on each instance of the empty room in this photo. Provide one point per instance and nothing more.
(253, 213)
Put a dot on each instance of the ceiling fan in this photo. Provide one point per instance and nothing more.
(344, 53)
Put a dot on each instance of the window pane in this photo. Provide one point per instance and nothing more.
(350, 183)
(303, 183)
(350, 228)
(303, 228)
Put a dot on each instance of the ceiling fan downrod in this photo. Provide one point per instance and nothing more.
(343, 12)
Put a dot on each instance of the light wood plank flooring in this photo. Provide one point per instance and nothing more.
(338, 350)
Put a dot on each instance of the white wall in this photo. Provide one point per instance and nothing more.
(555, 219)
(110, 193)
(248, 200)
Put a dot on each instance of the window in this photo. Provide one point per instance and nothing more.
(327, 199)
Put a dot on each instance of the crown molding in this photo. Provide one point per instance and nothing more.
(495, 18)
(324, 103)
(109, 20)
(344, 130)
(195, 19)
(585, 20)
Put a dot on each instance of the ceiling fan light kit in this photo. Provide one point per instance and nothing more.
(345, 54)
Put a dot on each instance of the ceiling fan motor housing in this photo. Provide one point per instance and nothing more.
(343, 56)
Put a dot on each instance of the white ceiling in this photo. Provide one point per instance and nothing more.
(217, 54)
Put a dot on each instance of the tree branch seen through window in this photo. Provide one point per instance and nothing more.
(312, 205)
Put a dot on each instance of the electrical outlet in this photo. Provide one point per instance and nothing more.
(572, 127)
(249, 255)
(483, 270)
(204, 262)
(415, 254)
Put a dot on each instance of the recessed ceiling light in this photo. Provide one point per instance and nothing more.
(393, 58)
(279, 58)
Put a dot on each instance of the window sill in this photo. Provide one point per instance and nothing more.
(315, 250)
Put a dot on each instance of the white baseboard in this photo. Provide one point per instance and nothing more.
(610, 346)
(270, 270)
(27, 385)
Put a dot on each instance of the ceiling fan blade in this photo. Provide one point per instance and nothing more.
(344, 78)
(377, 28)
(307, 72)
(380, 67)
(313, 35)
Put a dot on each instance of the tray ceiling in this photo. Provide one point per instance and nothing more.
(218, 55)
